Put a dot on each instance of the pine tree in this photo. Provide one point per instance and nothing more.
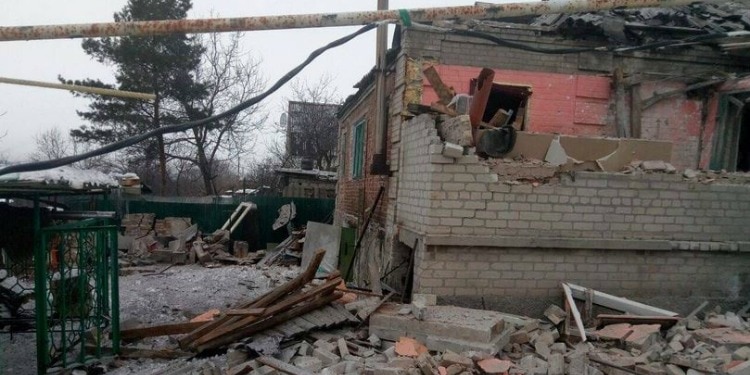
(163, 65)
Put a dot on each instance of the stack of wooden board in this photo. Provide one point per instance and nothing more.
(273, 308)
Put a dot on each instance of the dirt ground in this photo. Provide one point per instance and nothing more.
(149, 297)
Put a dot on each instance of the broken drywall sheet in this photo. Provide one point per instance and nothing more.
(610, 154)
(326, 237)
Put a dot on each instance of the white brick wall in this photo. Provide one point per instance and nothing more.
(464, 198)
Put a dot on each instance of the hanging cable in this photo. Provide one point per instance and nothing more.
(209, 122)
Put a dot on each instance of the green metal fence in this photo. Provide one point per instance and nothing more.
(211, 215)
(76, 291)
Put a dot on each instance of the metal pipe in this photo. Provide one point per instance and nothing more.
(379, 162)
(192, 26)
(79, 88)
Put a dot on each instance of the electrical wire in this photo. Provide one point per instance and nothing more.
(119, 145)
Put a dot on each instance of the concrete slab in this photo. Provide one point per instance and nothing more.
(445, 321)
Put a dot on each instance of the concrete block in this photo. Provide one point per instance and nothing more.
(452, 150)
(312, 364)
(556, 364)
(326, 357)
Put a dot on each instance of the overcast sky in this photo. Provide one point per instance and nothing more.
(30, 110)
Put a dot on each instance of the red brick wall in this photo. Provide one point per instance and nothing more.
(581, 104)
(355, 196)
(560, 103)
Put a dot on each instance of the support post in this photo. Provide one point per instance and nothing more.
(40, 293)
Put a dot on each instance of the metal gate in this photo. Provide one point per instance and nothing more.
(76, 292)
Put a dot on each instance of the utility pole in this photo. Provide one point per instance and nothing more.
(379, 165)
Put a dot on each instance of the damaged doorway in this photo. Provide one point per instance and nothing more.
(731, 144)
(512, 99)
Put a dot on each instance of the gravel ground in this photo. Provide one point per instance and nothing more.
(148, 297)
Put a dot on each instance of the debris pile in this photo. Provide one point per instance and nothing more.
(13, 295)
(176, 240)
(309, 326)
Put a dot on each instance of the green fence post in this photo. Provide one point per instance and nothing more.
(40, 295)
(115, 273)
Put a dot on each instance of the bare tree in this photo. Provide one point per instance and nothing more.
(312, 130)
(55, 144)
(51, 144)
(230, 78)
(263, 173)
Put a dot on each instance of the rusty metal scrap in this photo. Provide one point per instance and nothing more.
(479, 102)
(190, 26)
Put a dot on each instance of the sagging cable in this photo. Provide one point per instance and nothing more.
(209, 122)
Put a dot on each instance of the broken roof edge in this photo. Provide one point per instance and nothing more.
(367, 82)
(326, 175)
(60, 180)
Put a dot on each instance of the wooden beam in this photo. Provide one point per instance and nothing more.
(160, 330)
(636, 111)
(270, 322)
(663, 95)
(262, 301)
(229, 328)
(282, 366)
(574, 311)
(256, 311)
(444, 92)
(622, 113)
(619, 303)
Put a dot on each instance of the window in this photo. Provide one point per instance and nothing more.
(506, 104)
(731, 143)
(358, 149)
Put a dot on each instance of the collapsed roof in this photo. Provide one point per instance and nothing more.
(644, 25)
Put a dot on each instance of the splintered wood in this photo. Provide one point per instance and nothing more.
(275, 307)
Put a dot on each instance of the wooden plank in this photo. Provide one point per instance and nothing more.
(619, 303)
(365, 313)
(574, 311)
(665, 321)
(255, 311)
(323, 289)
(697, 310)
(259, 326)
(298, 282)
(443, 91)
(281, 366)
(160, 330)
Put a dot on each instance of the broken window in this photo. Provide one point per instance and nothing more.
(358, 149)
(731, 143)
(506, 105)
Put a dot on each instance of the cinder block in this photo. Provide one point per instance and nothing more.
(452, 150)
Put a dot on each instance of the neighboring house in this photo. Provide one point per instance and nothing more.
(489, 230)
(312, 134)
(301, 183)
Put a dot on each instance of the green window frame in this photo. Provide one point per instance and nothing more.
(358, 149)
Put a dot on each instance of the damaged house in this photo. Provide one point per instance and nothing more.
(521, 153)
